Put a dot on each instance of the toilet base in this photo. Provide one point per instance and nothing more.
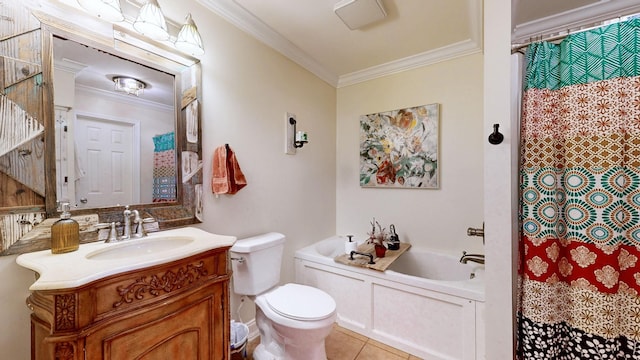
(275, 346)
(261, 352)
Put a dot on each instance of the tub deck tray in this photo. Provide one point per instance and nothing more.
(381, 264)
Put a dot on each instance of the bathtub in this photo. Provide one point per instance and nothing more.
(427, 304)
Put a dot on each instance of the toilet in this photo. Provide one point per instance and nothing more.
(293, 320)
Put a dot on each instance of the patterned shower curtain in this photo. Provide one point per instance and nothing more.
(580, 197)
(164, 168)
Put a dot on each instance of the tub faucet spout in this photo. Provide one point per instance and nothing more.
(476, 258)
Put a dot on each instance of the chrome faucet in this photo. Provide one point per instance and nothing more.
(131, 217)
(138, 221)
(113, 233)
(476, 258)
(126, 231)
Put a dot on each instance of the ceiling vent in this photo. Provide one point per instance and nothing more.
(358, 13)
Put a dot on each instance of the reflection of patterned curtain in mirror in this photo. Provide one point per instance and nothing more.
(21, 124)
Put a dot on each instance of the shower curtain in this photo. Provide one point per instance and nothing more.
(579, 290)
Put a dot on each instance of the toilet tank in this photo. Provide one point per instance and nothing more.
(260, 269)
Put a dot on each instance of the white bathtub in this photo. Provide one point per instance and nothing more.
(427, 304)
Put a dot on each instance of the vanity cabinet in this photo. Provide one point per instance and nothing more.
(177, 310)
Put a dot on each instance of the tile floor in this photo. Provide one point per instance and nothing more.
(343, 344)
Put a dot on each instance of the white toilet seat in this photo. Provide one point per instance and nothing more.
(301, 302)
(297, 296)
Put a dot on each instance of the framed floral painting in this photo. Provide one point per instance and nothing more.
(399, 148)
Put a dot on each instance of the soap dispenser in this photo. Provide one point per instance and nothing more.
(394, 241)
(65, 233)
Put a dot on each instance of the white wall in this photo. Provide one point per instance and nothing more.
(501, 183)
(437, 219)
(247, 89)
(63, 87)
(15, 331)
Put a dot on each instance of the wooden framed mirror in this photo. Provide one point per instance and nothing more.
(34, 164)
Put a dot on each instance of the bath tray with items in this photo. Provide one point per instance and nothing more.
(373, 253)
(380, 264)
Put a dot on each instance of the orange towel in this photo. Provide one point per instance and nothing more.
(227, 175)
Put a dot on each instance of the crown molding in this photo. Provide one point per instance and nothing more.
(584, 16)
(68, 65)
(246, 21)
(463, 48)
(444, 53)
(249, 23)
(124, 98)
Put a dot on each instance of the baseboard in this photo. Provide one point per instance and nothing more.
(253, 329)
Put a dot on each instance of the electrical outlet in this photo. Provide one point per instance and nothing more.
(289, 134)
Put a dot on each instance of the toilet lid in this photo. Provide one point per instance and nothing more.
(301, 302)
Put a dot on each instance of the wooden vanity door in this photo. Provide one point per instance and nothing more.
(189, 328)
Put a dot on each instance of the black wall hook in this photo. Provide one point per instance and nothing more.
(496, 137)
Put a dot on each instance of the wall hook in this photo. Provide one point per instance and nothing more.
(496, 137)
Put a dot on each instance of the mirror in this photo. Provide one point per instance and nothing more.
(29, 168)
(112, 148)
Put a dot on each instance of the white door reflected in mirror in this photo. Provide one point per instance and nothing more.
(105, 172)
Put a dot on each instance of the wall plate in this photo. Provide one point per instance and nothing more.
(289, 134)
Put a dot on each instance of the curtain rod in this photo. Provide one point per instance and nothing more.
(518, 46)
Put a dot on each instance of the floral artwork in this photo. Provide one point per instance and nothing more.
(399, 148)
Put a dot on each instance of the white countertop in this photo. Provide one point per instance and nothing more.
(73, 269)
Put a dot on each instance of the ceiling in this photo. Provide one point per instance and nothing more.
(414, 32)
(95, 69)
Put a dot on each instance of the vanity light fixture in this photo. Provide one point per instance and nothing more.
(108, 10)
(129, 85)
(189, 39)
(151, 22)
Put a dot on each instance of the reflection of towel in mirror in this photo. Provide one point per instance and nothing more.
(78, 168)
(227, 175)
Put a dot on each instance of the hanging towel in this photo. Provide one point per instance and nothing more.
(227, 175)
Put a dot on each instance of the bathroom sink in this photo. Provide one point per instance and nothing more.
(132, 249)
(97, 260)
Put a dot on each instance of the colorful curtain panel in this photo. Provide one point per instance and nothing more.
(164, 168)
(580, 197)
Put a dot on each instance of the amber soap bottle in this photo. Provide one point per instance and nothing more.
(65, 233)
